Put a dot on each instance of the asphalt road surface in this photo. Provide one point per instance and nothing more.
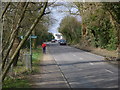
(83, 69)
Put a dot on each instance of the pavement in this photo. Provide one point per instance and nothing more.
(50, 75)
(68, 67)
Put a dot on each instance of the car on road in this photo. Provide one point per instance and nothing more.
(62, 42)
(53, 40)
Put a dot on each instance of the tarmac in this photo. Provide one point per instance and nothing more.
(71, 68)
(50, 75)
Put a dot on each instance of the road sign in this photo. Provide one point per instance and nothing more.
(21, 37)
(33, 36)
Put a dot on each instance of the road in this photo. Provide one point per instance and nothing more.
(83, 69)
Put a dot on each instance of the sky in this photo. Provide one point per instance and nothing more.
(59, 13)
(56, 14)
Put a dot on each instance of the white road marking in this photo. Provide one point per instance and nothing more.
(91, 63)
(74, 55)
(89, 76)
(109, 71)
(81, 58)
(80, 69)
(88, 53)
(97, 80)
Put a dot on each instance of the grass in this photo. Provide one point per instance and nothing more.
(36, 57)
(20, 75)
(16, 83)
(98, 51)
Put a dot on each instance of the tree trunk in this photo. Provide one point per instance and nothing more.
(1, 18)
(10, 36)
(16, 59)
(7, 53)
(4, 11)
(1, 37)
(13, 35)
(23, 41)
(17, 41)
(15, 45)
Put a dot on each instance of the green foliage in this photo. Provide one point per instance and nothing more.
(37, 53)
(71, 29)
(21, 79)
(12, 17)
(36, 58)
(16, 83)
(113, 9)
(44, 37)
(112, 43)
(99, 23)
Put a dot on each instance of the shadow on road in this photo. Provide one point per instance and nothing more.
(85, 62)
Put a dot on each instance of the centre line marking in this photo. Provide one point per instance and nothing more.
(109, 71)
(91, 63)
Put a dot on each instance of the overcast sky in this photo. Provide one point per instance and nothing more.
(58, 15)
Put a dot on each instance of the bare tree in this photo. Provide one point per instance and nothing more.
(4, 11)
(42, 11)
(13, 35)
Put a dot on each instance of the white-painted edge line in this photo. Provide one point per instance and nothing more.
(64, 77)
(109, 71)
(91, 63)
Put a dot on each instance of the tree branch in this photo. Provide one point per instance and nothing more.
(23, 41)
(5, 10)
(13, 35)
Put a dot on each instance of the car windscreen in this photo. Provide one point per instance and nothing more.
(62, 41)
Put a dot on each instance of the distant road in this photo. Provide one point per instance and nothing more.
(83, 69)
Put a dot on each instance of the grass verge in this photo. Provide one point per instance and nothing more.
(19, 76)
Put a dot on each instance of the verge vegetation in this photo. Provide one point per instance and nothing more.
(20, 76)
(99, 28)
